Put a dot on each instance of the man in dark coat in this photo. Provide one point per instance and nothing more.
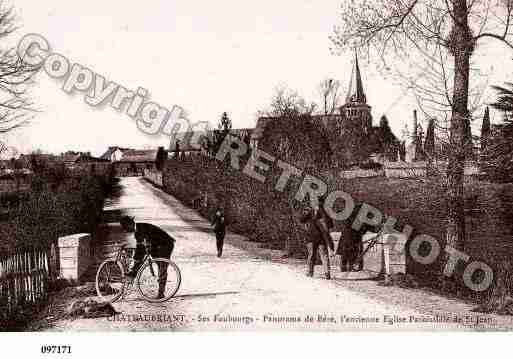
(346, 247)
(351, 245)
(318, 238)
(159, 243)
(219, 225)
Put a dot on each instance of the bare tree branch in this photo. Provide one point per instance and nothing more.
(16, 109)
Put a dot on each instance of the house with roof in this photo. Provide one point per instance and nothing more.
(135, 162)
(114, 153)
(81, 163)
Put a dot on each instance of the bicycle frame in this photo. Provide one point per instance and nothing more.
(122, 255)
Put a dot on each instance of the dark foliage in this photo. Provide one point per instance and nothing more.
(224, 127)
(429, 143)
(497, 156)
(497, 159)
(298, 141)
(58, 204)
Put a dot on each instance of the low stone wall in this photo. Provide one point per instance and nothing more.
(405, 169)
(154, 177)
(74, 255)
(360, 173)
(421, 169)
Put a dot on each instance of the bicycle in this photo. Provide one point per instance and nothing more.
(112, 283)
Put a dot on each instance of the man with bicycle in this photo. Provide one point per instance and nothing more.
(153, 240)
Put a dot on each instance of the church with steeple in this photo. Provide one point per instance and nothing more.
(352, 136)
(356, 111)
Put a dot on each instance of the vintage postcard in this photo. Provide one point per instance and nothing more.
(274, 166)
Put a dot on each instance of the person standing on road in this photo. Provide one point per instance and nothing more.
(153, 239)
(346, 248)
(219, 224)
(318, 228)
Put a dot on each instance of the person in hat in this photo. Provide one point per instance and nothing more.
(219, 224)
(318, 225)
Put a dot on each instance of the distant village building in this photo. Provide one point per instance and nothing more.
(114, 153)
(134, 162)
(84, 163)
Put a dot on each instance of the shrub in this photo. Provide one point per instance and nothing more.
(51, 210)
(251, 208)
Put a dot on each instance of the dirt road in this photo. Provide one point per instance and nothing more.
(242, 290)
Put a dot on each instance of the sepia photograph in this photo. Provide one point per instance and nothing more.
(336, 166)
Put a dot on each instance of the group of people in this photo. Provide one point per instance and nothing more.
(318, 226)
(318, 239)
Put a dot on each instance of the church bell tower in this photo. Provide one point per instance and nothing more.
(356, 114)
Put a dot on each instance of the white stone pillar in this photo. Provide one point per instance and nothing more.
(74, 255)
(334, 259)
(394, 253)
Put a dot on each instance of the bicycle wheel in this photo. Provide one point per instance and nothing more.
(110, 280)
(158, 280)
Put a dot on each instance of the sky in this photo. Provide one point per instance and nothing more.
(207, 57)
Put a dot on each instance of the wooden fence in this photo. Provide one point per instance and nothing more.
(23, 279)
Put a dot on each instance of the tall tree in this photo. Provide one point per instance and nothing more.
(329, 90)
(286, 102)
(485, 129)
(16, 108)
(225, 124)
(386, 140)
(223, 129)
(432, 31)
(287, 107)
(429, 142)
(292, 135)
(497, 145)
(383, 123)
(497, 159)
(419, 147)
(388, 135)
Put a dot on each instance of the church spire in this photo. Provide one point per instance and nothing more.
(355, 91)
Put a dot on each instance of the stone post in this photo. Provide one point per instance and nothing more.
(394, 247)
(387, 256)
(74, 255)
(334, 259)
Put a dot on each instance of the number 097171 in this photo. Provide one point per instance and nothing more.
(55, 349)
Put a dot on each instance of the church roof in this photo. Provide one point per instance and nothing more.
(355, 91)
